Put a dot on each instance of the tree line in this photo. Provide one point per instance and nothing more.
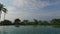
(25, 22)
(34, 22)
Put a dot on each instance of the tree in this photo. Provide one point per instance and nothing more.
(36, 22)
(46, 23)
(17, 22)
(40, 22)
(2, 9)
(55, 21)
(6, 22)
(26, 22)
(5, 11)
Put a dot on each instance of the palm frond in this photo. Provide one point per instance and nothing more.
(1, 6)
(4, 10)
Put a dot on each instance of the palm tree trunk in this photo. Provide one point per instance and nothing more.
(0, 15)
(4, 15)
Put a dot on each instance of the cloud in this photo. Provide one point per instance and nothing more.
(17, 8)
(29, 4)
(26, 15)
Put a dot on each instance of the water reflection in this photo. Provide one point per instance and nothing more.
(29, 30)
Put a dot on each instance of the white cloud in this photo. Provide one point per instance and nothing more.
(29, 4)
(13, 12)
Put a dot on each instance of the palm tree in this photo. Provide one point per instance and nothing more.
(5, 11)
(1, 6)
(2, 9)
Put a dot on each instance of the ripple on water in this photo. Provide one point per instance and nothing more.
(29, 30)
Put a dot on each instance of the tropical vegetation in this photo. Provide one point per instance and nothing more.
(27, 22)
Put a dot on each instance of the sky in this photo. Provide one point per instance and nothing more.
(31, 9)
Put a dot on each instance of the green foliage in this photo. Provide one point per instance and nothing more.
(45, 23)
(27, 22)
(55, 21)
(1, 6)
(6, 22)
(36, 22)
(17, 22)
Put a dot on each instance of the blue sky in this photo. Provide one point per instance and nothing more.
(32, 9)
